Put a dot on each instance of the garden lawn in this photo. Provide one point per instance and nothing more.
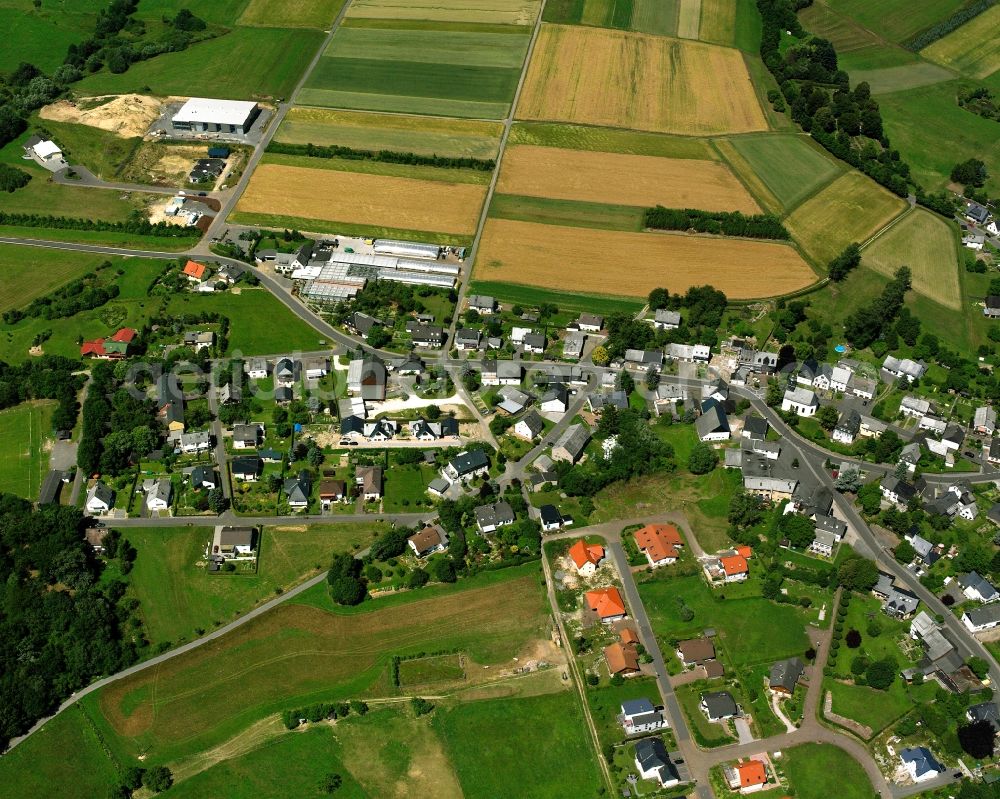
(706, 733)
(25, 430)
(178, 594)
(605, 705)
(810, 766)
(868, 706)
(521, 747)
(750, 630)
(406, 487)
(270, 62)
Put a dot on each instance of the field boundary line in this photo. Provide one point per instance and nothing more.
(908, 211)
(776, 207)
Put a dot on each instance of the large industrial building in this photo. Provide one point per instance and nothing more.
(204, 115)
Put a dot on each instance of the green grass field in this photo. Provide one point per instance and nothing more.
(531, 296)
(299, 653)
(293, 764)
(895, 20)
(852, 208)
(902, 77)
(219, 12)
(65, 752)
(270, 62)
(790, 167)
(752, 630)
(973, 49)
(522, 747)
(809, 767)
(421, 135)
(178, 594)
(458, 48)
(733, 24)
(29, 273)
(874, 709)
(43, 35)
(846, 34)
(295, 14)
(967, 135)
(644, 16)
(414, 171)
(406, 486)
(102, 152)
(610, 140)
(601, 216)
(25, 431)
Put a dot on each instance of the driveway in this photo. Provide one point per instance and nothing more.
(743, 731)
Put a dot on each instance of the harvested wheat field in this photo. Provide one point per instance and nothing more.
(376, 200)
(632, 264)
(622, 179)
(927, 245)
(127, 115)
(631, 80)
(504, 12)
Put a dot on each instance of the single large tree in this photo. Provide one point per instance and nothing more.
(977, 739)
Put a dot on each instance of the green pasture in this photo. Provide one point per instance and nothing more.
(532, 296)
(25, 430)
(810, 766)
(413, 171)
(30, 272)
(601, 216)
(43, 35)
(896, 20)
(403, 104)
(497, 50)
(610, 140)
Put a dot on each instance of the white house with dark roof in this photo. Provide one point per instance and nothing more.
(713, 424)
(490, 518)
(982, 618)
(977, 588)
(529, 426)
(801, 401)
(914, 407)
(590, 323)
(985, 420)
(100, 499)
(920, 763)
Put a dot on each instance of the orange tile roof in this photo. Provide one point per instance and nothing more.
(621, 658)
(582, 553)
(744, 551)
(628, 636)
(194, 269)
(95, 347)
(126, 334)
(659, 541)
(606, 602)
(751, 773)
(734, 564)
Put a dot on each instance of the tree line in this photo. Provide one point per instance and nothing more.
(846, 122)
(385, 156)
(868, 323)
(48, 377)
(136, 224)
(12, 178)
(83, 294)
(725, 223)
(946, 26)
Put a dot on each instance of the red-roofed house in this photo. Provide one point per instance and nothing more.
(747, 777)
(735, 568)
(659, 542)
(622, 658)
(607, 603)
(109, 348)
(744, 551)
(586, 557)
(195, 271)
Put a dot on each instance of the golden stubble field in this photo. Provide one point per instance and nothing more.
(622, 179)
(632, 80)
(632, 264)
(363, 199)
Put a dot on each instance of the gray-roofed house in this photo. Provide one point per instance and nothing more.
(653, 763)
(160, 495)
(713, 424)
(571, 443)
(848, 427)
(785, 675)
(483, 303)
(204, 477)
(644, 359)
(501, 373)
(985, 420)
(573, 345)
(247, 467)
(467, 465)
(468, 338)
(534, 343)
(910, 369)
(823, 543)
(640, 715)
(985, 617)
(897, 491)
(555, 400)
(977, 588)
(372, 380)
(550, 518)
(829, 524)
(297, 491)
(665, 319)
(920, 763)
(234, 542)
(529, 426)
(590, 323)
(100, 499)
(755, 427)
(802, 401)
(719, 705)
(599, 401)
(985, 711)
(490, 518)
(369, 480)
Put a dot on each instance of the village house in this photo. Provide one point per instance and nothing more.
(728, 567)
(555, 399)
(369, 479)
(490, 518)
(653, 763)
(659, 543)
(607, 603)
(977, 588)
(914, 407)
(691, 353)
(501, 373)
(467, 338)
(665, 319)
(159, 495)
(529, 426)
(590, 323)
(920, 763)
(483, 304)
(748, 776)
(297, 490)
(100, 499)
(534, 343)
(247, 468)
(466, 466)
(862, 387)
(573, 345)
(428, 541)
(367, 377)
(982, 618)
(258, 368)
(109, 349)
(985, 420)
(199, 340)
(229, 543)
(94, 538)
(644, 360)
(712, 424)
(204, 477)
(896, 602)
(195, 272)
(586, 557)
(570, 445)
(755, 428)
(331, 491)
(190, 443)
(985, 711)
(785, 675)
(551, 519)
(639, 716)
(911, 370)
(719, 706)
(247, 436)
(621, 659)
(696, 652)
(801, 401)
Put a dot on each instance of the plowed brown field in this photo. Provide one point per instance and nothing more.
(632, 264)
(363, 199)
(632, 80)
(622, 179)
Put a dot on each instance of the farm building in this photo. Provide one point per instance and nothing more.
(406, 249)
(205, 115)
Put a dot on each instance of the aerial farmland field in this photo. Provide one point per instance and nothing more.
(973, 49)
(734, 24)
(25, 431)
(926, 244)
(444, 205)
(500, 12)
(896, 20)
(630, 80)
(554, 257)
(457, 138)
(622, 179)
(610, 140)
(852, 208)
(905, 76)
(42, 35)
(291, 13)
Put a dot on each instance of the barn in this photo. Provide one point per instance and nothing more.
(205, 115)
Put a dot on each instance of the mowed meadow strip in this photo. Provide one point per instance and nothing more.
(508, 12)
(926, 244)
(852, 208)
(378, 200)
(456, 138)
(632, 264)
(298, 651)
(622, 179)
(631, 80)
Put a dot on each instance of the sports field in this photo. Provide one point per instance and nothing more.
(291, 13)
(973, 49)
(297, 653)
(926, 244)
(458, 138)
(270, 62)
(622, 179)
(25, 436)
(630, 80)
(968, 135)
(852, 208)
(502, 12)
(790, 167)
(556, 257)
(376, 200)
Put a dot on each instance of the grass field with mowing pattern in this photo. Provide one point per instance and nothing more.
(29, 273)
(610, 140)
(25, 431)
(896, 20)
(599, 216)
(291, 13)
(809, 767)
(973, 49)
